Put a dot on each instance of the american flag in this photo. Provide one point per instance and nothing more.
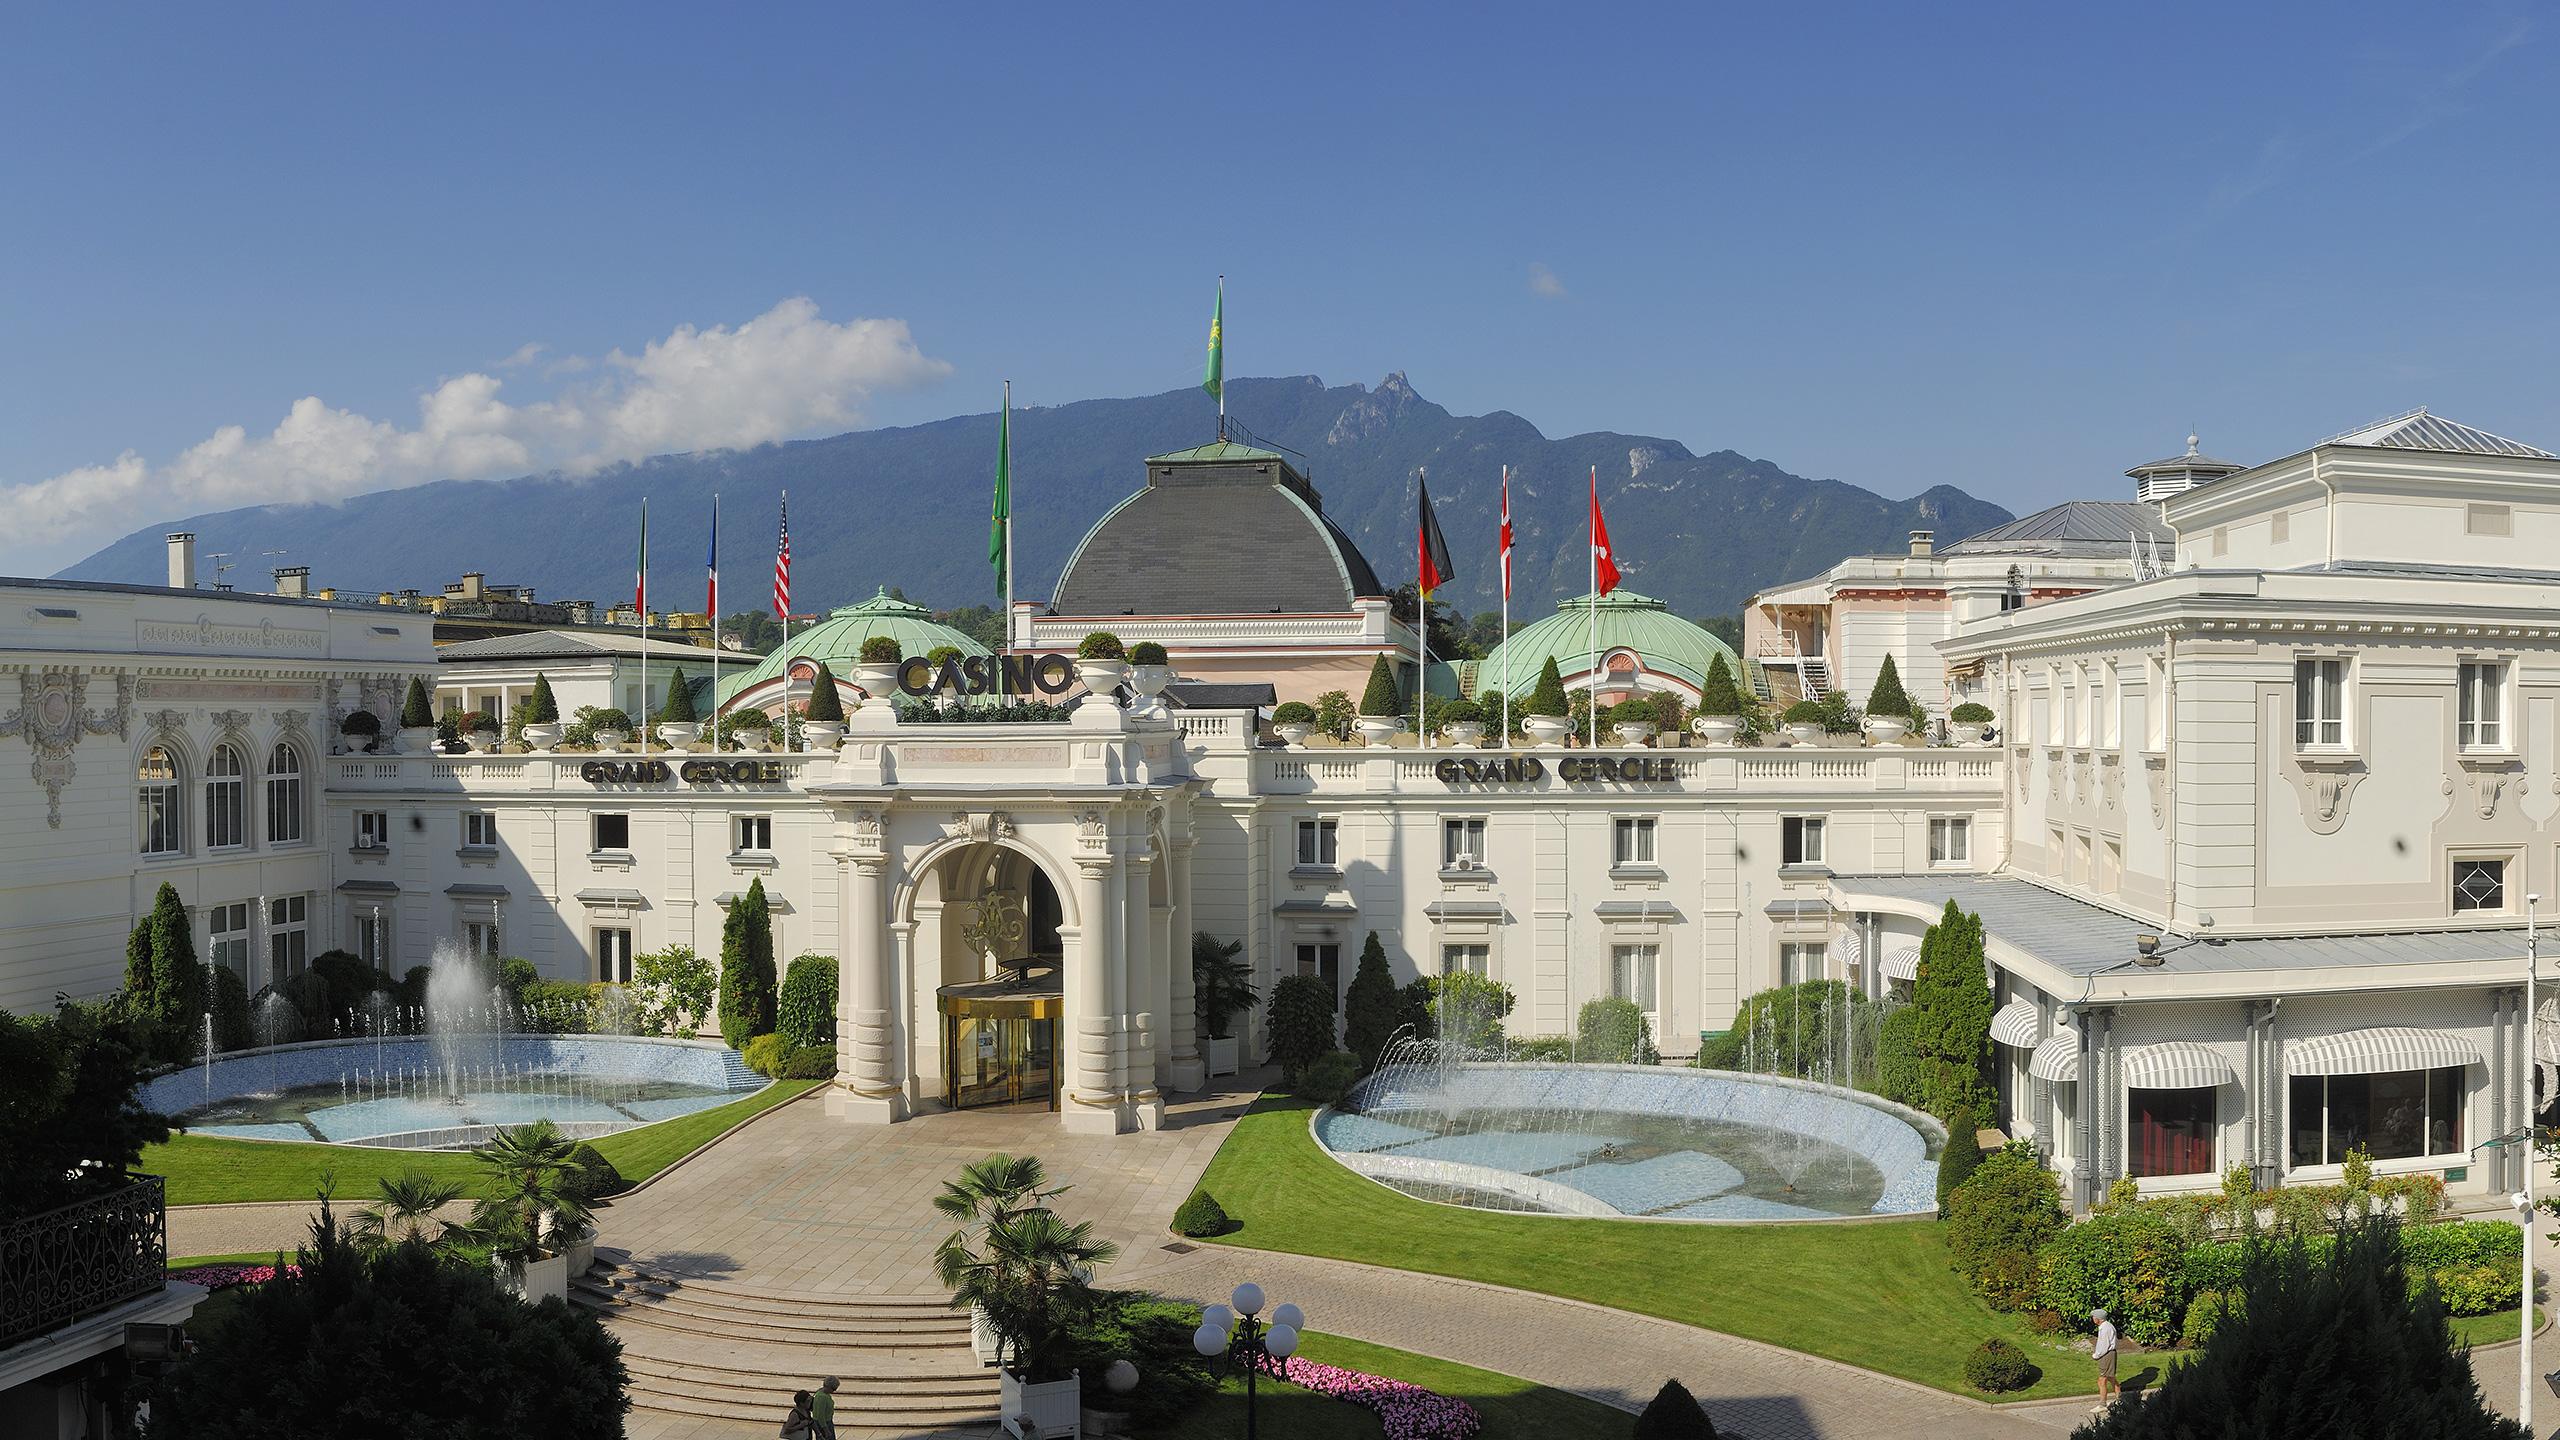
(782, 566)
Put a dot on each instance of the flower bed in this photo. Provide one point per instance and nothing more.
(1408, 1411)
(223, 1277)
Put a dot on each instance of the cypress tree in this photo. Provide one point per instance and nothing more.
(1383, 696)
(1369, 1006)
(1962, 1156)
(679, 707)
(826, 707)
(546, 710)
(415, 711)
(1674, 1414)
(746, 968)
(177, 981)
(1953, 998)
(1720, 696)
(1887, 697)
(1547, 696)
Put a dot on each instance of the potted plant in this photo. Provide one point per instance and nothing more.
(1803, 722)
(417, 720)
(1968, 722)
(542, 727)
(1294, 721)
(678, 724)
(533, 1210)
(480, 731)
(1543, 714)
(1222, 987)
(876, 671)
(1463, 722)
(822, 719)
(359, 728)
(1631, 720)
(749, 730)
(1888, 708)
(1150, 671)
(1381, 705)
(1101, 664)
(1719, 716)
(611, 728)
(1029, 1273)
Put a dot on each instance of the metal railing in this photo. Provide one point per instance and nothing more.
(87, 1257)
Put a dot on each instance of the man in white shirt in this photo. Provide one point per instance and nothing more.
(2105, 1354)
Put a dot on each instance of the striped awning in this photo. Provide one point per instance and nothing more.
(1903, 964)
(1848, 948)
(2177, 1065)
(2378, 1051)
(2058, 1058)
(2017, 1024)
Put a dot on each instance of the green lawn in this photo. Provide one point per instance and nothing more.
(2490, 1329)
(209, 1169)
(1874, 1294)
(1513, 1409)
(183, 1262)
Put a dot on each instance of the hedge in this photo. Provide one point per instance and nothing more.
(806, 1012)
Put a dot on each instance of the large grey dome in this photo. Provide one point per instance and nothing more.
(1225, 529)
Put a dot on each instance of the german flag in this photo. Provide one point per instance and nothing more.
(1432, 564)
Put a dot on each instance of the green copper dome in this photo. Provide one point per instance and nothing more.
(1666, 644)
(837, 641)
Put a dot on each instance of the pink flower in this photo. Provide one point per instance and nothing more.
(1408, 1411)
(223, 1277)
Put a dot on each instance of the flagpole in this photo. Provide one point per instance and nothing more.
(1006, 652)
(1591, 633)
(1504, 720)
(642, 719)
(1222, 359)
(784, 649)
(715, 622)
(1422, 627)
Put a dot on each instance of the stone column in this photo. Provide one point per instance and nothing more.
(1092, 1103)
(869, 1087)
(1184, 1070)
(1142, 1033)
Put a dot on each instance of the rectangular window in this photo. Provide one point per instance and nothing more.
(226, 801)
(2479, 886)
(2319, 703)
(284, 796)
(755, 834)
(229, 929)
(1469, 959)
(371, 926)
(1800, 840)
(2481, 704)
(2395, 1115)
(1317, 841)
(288, 947)
(1950, 840)
(159, 804)
(2172, 1132)
(479, 830)
(373, 829)
(1634, 843)
(1324, 960)
(1462, 844)
(480, 937)
(1799, 963)
(1631, 974)
(613, 956)
(613, 832)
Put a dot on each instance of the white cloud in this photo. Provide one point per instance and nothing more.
(524, 355)
(784, 373)
(1544, 284)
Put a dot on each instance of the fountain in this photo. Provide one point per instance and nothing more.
(464, 1014)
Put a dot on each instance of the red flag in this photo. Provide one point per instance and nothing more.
(1506, 532)
(1604, 569)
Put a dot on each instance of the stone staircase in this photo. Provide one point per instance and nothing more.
(716, 1350)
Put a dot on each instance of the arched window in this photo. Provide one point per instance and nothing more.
(163, 817)
(284, 795)
(226, 800)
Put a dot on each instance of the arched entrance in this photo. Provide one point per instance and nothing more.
(988, 921)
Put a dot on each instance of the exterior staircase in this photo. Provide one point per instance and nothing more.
(716, 1350)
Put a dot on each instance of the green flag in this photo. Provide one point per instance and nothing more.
(1004, 495)
(1214, 379)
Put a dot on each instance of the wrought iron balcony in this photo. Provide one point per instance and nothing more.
(85, 1258)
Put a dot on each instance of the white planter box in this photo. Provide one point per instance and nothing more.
(540, 1278)
(822, 735)
(417, 739)
(1804, 734)
(982, 1336)
(878, 682)
(1226, 1056)
(612, 741)
(1466, 734)
(1964, 734)
(1055, 1408)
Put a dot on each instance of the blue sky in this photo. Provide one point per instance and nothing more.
(2012, 248)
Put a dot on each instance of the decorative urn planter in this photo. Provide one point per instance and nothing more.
(1546, 729)
(754, 742)
(1807, 732)
(877, 681)
(1633, 733)
(1150, 680)
(1466, 733)
(611, 741)
(1886, 729)
(486, 742)
(822, 735)
(1294, 736)
(1715, 729)
(1226, 1054)
(542, 736)
(1054, 1407)
(417, 739)
(1102, 677)
(678, 734)
(1965, 734)
(1378, 729)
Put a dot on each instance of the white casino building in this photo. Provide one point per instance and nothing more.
(2318, 760)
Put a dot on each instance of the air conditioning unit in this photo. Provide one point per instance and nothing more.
(1463, 862)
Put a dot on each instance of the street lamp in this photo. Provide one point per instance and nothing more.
(2524, 1197)
(1238, 1331)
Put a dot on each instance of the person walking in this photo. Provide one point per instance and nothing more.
(822, 1411)
(797, 1425)
(2105, 1354)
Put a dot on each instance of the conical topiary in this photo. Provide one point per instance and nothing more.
(746, 968)
(678, 709)
(1887, 698)
(1547, 696)
(1674, 1414)
(415, 712)
(826, 707)
(1383, 697)
(546, 709)
(1719, 696)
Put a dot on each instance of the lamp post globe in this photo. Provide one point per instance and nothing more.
(1281, 1341)
(1209, 1340)
(1219, 1316)
(1247, 1299)
(1289, 1315)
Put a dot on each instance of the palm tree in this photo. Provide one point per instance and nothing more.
(1033, 1276)
(534, 1173)
(1221, 981)
(406, 1210)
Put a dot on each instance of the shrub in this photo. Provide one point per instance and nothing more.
(1294, 712)
(805, 1014)
(2461, 1242)
(1541, 1047)
(941, 655)
(1631, 711)
(1334, 713)
(1962, 1156)
(1996, 1365)
(2129, 1262)
(230, 1009)
(1302, 1028)
(415, 711)
(1886, 696)
(545, 706)
(1100, 645)
(591, 1176)
(1674, 1414)
(2205, 1310)
(557, 1007)
(1148, 652)
(1382, 696)
(1460, 712)
(2477, 1289)
(1719, 695)
(1998, 1219)
(1201, 1216)
(1369, 1005)
(360, 722)
(1611, 1031)
(1547, 696)
(1803, 712)
(749, 719)
(881, 650)
(746, 968)
(1154, 1335)
(678, 706)
(763, 1054)
(1330, 1077)
(676, 990)
(1971, 712)
(1790, 1029)
(825, 707)
(810, 1062)
(479, 722)
(1467, 1009)
(601, 718)
(514, 973)
(448, 727)
(1898, 1069)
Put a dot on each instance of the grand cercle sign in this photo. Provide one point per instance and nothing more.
(1572, 769)
(692, 772)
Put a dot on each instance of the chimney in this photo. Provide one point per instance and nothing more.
(1923, 541)
(182, 560)
(474, 585)
(294, 582)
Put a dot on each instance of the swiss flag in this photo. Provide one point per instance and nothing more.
(1604, 568)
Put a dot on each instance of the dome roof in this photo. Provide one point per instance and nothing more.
(1223, 529)
(837, 641)
(1664, 643)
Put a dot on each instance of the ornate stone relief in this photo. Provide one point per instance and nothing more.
(53, 714)
(2489, 784)
(2155, 775)
(866, 828)
(2021, 761)
(2325, 789)
(232, 727)
(2053, 766)
(293, 726)
(2110, 783)
(983, 826)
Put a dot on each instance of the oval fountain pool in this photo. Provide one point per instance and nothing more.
(1634, 1140)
